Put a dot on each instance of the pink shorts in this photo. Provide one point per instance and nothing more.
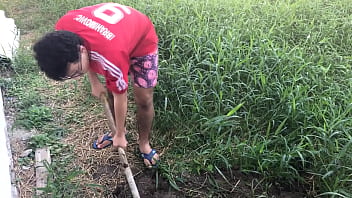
(144, 70)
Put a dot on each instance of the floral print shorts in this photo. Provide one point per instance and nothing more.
(144, 70)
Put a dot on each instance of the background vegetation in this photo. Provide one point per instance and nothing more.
(262, 85)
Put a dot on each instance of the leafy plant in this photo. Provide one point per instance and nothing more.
(61, 179)
(34, 117)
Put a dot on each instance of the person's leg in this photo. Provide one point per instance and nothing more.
(145, 115)
(144, 72)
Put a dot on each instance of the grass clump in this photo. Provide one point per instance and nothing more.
(264, 85)
(34, 117)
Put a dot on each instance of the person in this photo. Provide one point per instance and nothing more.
(114, 41)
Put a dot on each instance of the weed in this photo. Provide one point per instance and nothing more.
(26, 161)
(34, 117)
(61, 179)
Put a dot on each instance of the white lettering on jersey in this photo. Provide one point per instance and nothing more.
(101, 29)
(111, 68)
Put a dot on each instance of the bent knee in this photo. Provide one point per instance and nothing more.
(144, 103)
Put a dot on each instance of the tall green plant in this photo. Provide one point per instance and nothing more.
(283, 62)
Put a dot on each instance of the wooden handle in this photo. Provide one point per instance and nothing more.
(122, 154)
(109, 116)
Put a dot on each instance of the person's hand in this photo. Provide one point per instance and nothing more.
(98, 89)
(120, 141)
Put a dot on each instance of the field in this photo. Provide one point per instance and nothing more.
(254, 99)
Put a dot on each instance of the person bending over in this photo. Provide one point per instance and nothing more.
(111, 40)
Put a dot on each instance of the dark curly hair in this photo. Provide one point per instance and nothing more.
(55, 50)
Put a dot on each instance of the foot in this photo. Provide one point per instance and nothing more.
(150, 156)
(106, 140)
(103, 142)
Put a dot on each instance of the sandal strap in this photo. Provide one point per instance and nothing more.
(149, 156)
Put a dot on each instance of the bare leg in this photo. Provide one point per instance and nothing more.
(145, 115)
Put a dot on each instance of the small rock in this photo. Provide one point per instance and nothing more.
(26, 153)
(26, 167)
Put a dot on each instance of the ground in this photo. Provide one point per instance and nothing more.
(102, 167)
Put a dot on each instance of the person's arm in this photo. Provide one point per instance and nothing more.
(97, 87)
(120, 110)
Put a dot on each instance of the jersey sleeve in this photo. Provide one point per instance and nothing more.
(115, 72)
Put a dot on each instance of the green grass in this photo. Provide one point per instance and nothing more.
(286, 64)
(264, 85)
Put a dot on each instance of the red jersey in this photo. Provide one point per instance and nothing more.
(113, 33)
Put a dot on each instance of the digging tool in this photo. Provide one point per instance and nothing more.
(122, 154)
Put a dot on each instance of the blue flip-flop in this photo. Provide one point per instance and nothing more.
(105, 138)
(149, 157)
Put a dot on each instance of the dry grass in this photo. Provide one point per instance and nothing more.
(101, 167)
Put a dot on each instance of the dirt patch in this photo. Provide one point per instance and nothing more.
(104, 168)
(148, 187)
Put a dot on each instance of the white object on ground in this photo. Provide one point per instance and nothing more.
(7, 190)
(9, 36)
(42, 156)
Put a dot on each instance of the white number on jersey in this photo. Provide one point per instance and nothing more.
(112, 12)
